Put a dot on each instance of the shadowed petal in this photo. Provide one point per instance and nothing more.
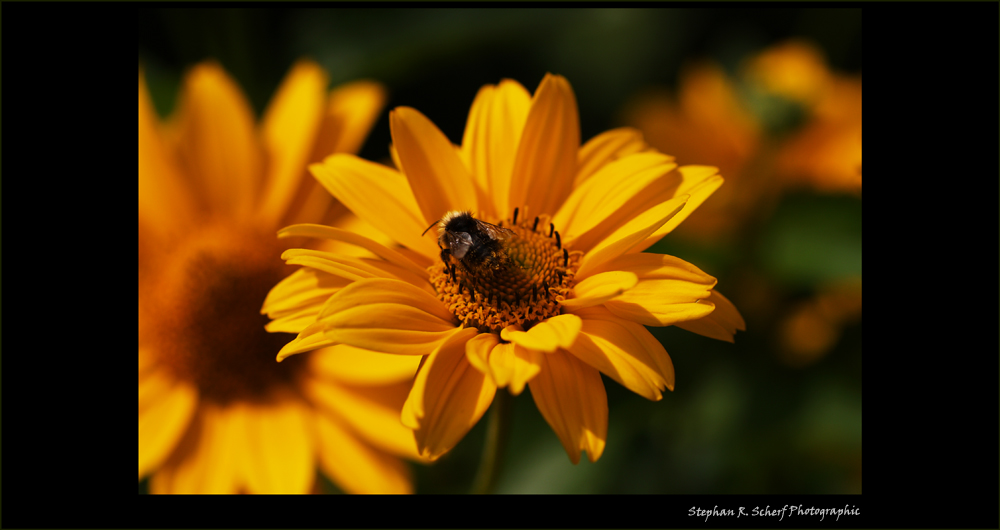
(448, 397)
(506, 363)
(721, 324)
(557, 332)
(571, 397)
(355, 465)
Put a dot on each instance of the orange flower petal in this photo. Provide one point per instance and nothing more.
(614, 195)
(612, 348)
(721, 324)
(492, 135)
(288, 130)
(670, 290)
(346, 236)
(312, 337)
(352, 110)
(165, 205)
(557, 332)
(506, 363)
(354, 465)
(355, 366)
(204, 461)
(279, 448)
(599, 288)
(606, 148)
(296, 300)
(571, 397)
(370, 411)
(629, 235)
(387, 315)
(219, 141)
(163, 417)
(699, 183)
(545, 165)
(448, 397)
(379, 195)
(437, 176)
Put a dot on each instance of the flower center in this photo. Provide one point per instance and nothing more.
(209, 329)
(523, 287)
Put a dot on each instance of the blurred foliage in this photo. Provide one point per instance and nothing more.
(757, 416)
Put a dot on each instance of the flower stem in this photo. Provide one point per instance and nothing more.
(497, 433)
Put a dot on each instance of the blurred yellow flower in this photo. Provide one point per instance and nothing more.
(216, 413)
(717, 119)
(564, 298)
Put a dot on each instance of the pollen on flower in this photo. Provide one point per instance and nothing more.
(524, 290)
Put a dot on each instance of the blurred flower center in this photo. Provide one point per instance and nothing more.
(524, 290)
(213, 333)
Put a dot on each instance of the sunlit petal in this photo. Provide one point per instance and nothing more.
(600, 288)
(545, 165)
(606, 148)
(378, 194)
(721, 324)
(439, 180)
(557, 332)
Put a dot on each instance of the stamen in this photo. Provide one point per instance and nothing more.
(519, 283)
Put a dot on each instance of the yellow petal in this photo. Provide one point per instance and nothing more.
(387, 315)
(205, 461)
(699, 183)
(606, 148)
(436, 174)
(355, 366)
(611, 347)
(350, 113)
(312, 337)
(721, 323)
(165, 205)
(356, 466)
(351, 110)
(219, 142)
(162, 419)
(505, 363)
(557, 332)
(380, 196)
(492, 134)
(448, 397)
(599, 288)
(296, 300)
(280, 448)
(288, 130)
(670, 290)
(571, 397)
(545, 165)
(346, 236)
(615, 194)
(370, 411)
(632, 233)
(353, 268)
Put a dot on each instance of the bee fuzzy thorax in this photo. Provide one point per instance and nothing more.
(491, 276)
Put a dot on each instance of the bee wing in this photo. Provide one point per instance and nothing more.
(494, 231)
(458, 243)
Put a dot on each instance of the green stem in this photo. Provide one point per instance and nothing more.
(497, 433)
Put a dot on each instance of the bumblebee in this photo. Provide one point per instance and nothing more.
(476, 244)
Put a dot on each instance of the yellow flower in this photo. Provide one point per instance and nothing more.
(216, 414)
(564, 298)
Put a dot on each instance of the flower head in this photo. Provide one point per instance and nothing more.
(215, 412)
(549, 291)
